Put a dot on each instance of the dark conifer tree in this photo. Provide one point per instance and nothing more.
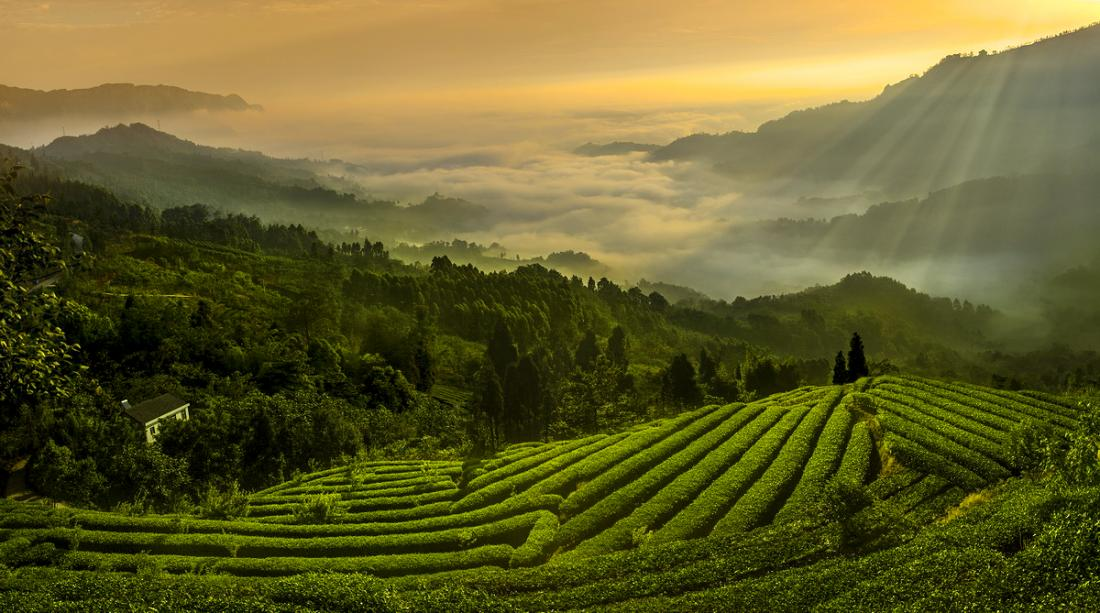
(421, 361)
(587, 352)
(658, 302)
(708, 368)
(424, 365)
(201, 318)
(857, 361)
(489, 402)
(678, 386)
(616, 348)
(523, 401)
(502, 349)
(840, 370)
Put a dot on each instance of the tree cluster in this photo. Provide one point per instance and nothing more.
(855, 367)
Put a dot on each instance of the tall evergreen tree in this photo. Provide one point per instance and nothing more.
(857, 361)
(678, 385)
(587, 352)
(658, 302)
(840, 370)
(488, 402)
(523, 401)
(502, 349)
(616, 348)
(422, 363)
(708, 368)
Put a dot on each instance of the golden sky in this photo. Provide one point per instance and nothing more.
(510, 54)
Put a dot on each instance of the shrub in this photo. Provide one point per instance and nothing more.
(318, 509)
(56, 473)
(539, 543)
(857, 456)
(230, 503)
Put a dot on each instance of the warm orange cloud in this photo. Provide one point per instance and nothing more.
(503, 54)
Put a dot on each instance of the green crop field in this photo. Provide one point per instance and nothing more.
(717, 506)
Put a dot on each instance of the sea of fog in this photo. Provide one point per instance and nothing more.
(669, 221)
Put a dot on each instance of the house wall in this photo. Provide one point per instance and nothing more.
(152, 428)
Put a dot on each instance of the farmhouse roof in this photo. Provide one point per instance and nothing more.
(153, 408)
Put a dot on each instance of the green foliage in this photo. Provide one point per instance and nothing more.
(1073, 455)
(496, 485)
(502, 349)
(587, 352)
(57, 474)
(594, 399)
(645, 452)
(37, 362)
(617, 348)
(664, 468)
(318, 509)
(228, 503)
(857, 361)
(840, 370)
(767, 495)
(634, 529)
(678, 385)
(828, 455)
(524, 401)
(156, 478)
(708, 511)
(488, 404)
(764, 376)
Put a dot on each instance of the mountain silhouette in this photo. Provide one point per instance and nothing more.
(112, 99)
(1028, 109)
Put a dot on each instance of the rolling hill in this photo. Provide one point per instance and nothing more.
(143, 165)
(674, 514)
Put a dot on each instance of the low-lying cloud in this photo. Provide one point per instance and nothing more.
(667, 221)
(678, 222)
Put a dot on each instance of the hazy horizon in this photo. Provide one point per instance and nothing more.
(486, 100)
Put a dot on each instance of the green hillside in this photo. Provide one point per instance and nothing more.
(691, 507)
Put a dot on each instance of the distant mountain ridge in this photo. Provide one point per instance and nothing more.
(1028, 109)
(112, 99)
(615, 148)
(144, 165)
(140, 140)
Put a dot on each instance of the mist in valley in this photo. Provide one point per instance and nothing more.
(968, 179)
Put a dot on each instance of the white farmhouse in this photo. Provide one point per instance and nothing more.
(151, 413)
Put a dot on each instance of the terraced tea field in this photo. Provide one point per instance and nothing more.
(719, 471)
